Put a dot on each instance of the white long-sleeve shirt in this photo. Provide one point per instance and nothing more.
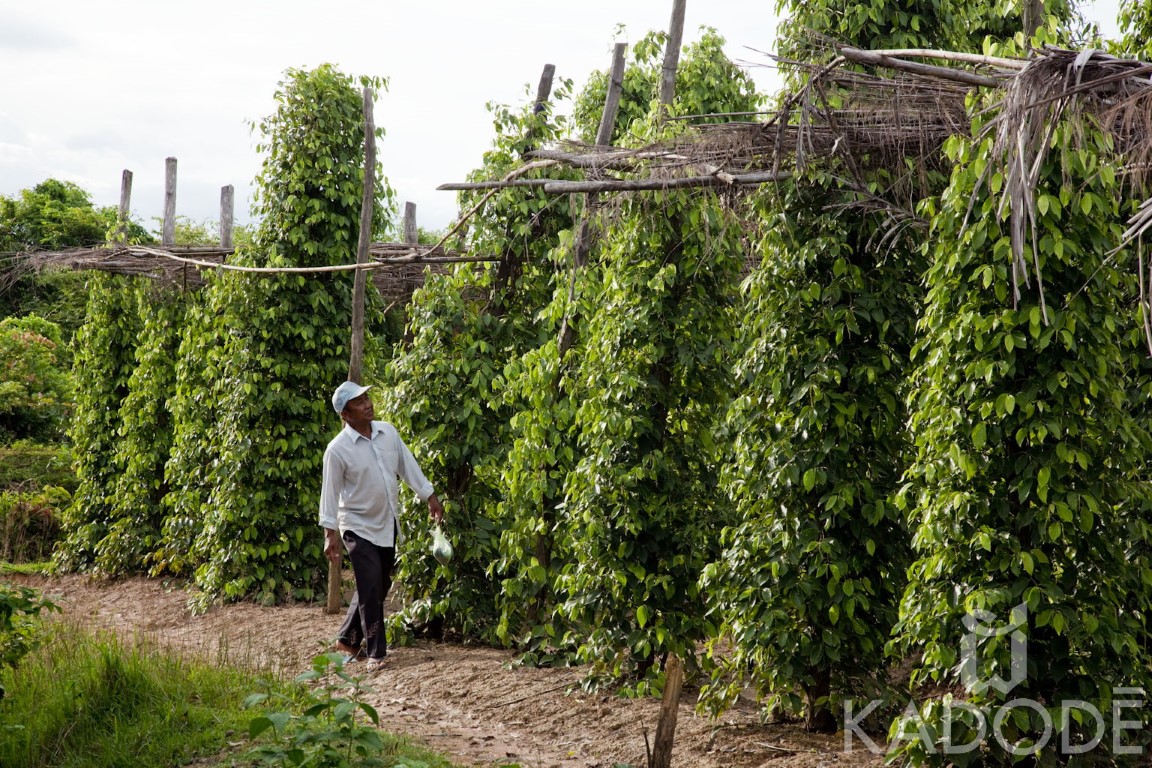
(359, 491)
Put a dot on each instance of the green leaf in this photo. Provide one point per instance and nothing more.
(259, 725)
(979, 435)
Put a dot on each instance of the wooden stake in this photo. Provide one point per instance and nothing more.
(356, 361)
(1033, 16)
(543, 91)
(583, 240)
(612, 100)
(672, 55)
(125, 206)
(669, 709)
(168, 237)
(227, 203)
(411, 232)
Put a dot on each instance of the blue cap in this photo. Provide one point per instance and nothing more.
(349, 390)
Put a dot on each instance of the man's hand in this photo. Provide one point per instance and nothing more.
(435, 509)
(333, 548)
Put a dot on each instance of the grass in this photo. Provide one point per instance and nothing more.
(85, 700)
(29, 569)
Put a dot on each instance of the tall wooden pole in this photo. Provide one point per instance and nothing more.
(543, 91)
(672, 56)
(356, 361)
(227, 206)
(612, 100)
(1033, 13)
(411, 231)
(673, 670)
(168, 236)
(669, 709)
(582, 241)
(125, 206)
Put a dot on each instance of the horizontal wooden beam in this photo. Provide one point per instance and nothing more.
(927, 70)
(657, 185)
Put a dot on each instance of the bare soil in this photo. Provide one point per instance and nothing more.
(469, 702)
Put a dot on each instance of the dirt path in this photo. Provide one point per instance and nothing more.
(469, 702)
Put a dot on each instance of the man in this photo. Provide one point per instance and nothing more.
(358, 505)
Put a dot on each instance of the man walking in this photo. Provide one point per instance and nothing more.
(358, 506)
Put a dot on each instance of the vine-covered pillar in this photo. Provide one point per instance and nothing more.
(105, 349)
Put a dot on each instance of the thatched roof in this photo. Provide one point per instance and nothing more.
(396, 268)
(894, 110)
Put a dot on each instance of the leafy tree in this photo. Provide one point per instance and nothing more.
(707, 82)
(278, 345)
(193, 410)
(810, 30)
(35, 391)
(1136, 25)
(642, 504)
(103, 365)
(145, 436)
(809, 581)
(1027, 493)
(52, 215)
(546, 543)
(467, 327)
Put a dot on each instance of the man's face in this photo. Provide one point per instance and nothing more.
(359, 409)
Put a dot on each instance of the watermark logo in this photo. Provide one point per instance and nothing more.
(978, 623)
(982, 722)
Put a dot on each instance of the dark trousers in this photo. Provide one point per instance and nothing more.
(372, 567)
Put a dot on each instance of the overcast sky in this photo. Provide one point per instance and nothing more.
(91, 88)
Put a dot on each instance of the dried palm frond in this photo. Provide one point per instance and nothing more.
(1074, 87)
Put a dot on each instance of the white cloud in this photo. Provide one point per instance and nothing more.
(37, 34)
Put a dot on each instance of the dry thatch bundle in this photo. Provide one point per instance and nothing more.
(1079, 87)
(852, 121)
(397, 269)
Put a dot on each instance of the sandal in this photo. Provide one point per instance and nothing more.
(375, 665)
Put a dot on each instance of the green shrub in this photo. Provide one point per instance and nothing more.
(30, 523)
(85, 701)
(19, 630)
(35, 392)
(25, 465)
(328, 726)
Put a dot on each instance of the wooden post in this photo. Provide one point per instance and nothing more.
(168, 237)
(543, 91)
(125, 206)
(356, 361)
(411, 235)
(1033, 13)
(411, 232)
(669, 709)
(672, 55)
(612, 101)
(582, 241)
(227, 202)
